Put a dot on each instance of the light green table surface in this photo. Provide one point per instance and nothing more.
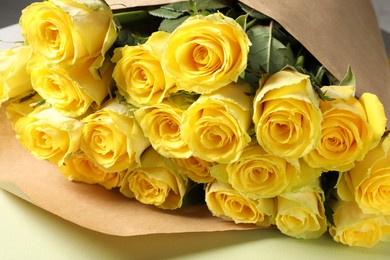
(28, 232)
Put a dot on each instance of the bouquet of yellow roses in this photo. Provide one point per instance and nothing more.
(209, 103)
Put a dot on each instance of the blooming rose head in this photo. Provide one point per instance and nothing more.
(79, 167)
(161, 124)
(14, 78)
(368, 183)
(286, 115)
(258, 174)
(225, 202)
(48, 135)
(301, 213)
(206, 53)
(352, 227)
(215, 126)
(138, 72)
(350, 128)
(194, 168)
(155, 182)
(112, 138)
(69, 32)
(71, 91)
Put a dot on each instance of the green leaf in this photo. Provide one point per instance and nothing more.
(266, 52)
(178, 6)
(349, 78)
(165, 13)
(279, 33)
(212, 5)
(253, 13)
(232, 13)
(169, 25)
(129, 37)
(241, 20)
(185, 6)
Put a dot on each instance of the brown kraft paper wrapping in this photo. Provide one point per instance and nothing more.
(337, 33)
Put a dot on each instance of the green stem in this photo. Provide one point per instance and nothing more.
(193, 6)
(130, 16)
(250, 24)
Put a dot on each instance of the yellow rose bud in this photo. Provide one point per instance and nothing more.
(69, 32)
(194, 168)
(138, 72)
(161, 124)
(287, 117)
(155, 182)
(80, 168)
(225, 202)
(301, 213)
(368, 182)
(258, 174)
(350, 128)
(14, 78)
(215, 126)
(112, 138)
(351, 227)
(48, 135)
(211, 56)
(71, 91)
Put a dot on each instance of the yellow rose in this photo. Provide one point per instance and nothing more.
(71, 91)
(287, 116)
(352, 227)
(225, 202)
(161, 124)
(258, 174)
(215, 126)
(301, 213)
(385, 224)
(350, 128)
(155, 182)
(138, 72)
(211, 56)
(79, 167)
(69, 31)
(48, 135)
(112, 138)
(368, 183)
(14, 78)
(194, 168)
(22, 106)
